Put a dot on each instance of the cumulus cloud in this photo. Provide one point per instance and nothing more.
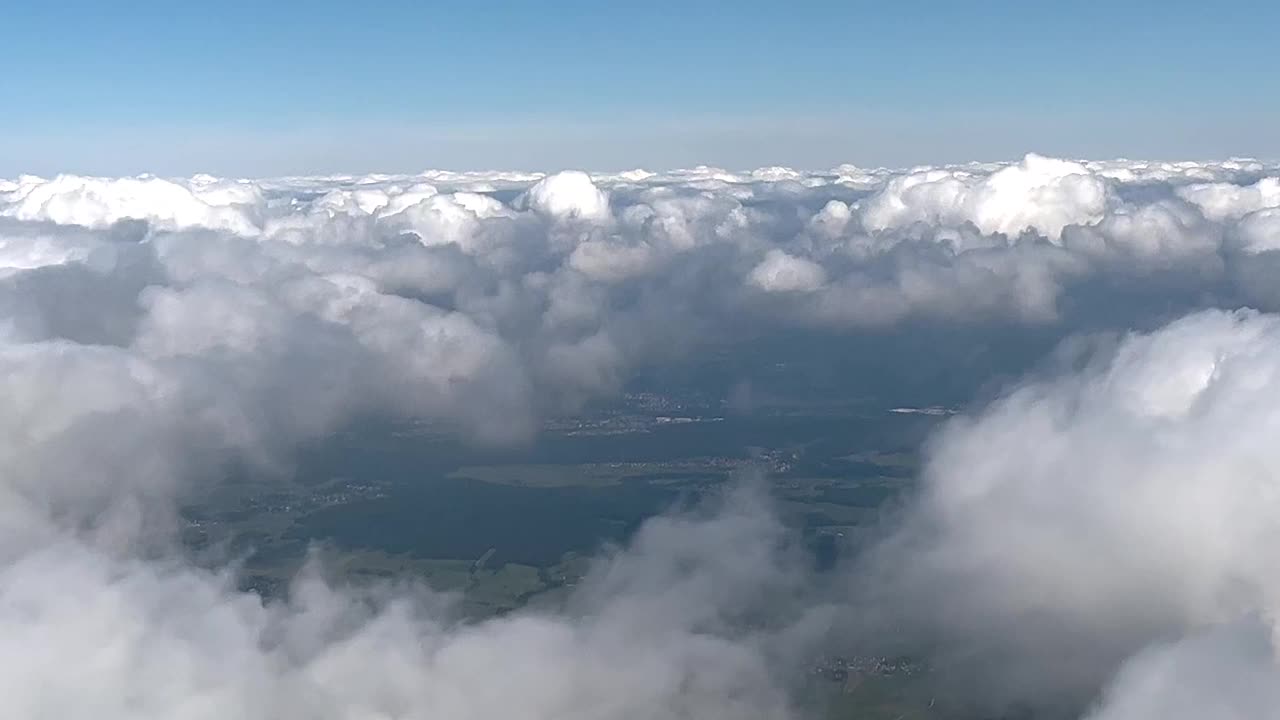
(655, 631)
(1110, 519)
(780, 272)
(1219, 201)
(98, 202)
(1226, 672)
(278, 308)
(923, 242)
(1084, 522)
(569, 194)
(1040, 194)
(467, 296)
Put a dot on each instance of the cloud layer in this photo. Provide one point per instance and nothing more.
(1118, 515)
(1113, 518)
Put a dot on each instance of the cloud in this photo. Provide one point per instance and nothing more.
(1226, 672)
(780, 272)
(1259, 232)
(1221, 201)
(1081, 521)
(655, 631)
(279, 308)
(569, 194)
(467, 296)
(916, 241)
(97, 202)
(1111, 518)
(1039, 194)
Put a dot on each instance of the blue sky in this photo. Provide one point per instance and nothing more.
(325, 86)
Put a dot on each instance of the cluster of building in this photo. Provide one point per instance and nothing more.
(841, 669)
(658, 403)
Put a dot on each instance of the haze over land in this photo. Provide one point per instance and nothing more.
(1088, 535)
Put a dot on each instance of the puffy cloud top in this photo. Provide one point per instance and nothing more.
(1107, 511)
(780, 272)
(1040, 194)
(569, 194)
(97, 202)
(850, 247)
(1220, 201)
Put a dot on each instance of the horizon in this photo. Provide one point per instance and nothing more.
(615, 173)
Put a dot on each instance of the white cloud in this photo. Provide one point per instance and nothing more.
(1226, 672)
(609, 261)
(568, 195)
(1260, 231)
(97, 202)
(1040, 194)
(1220, 201)
(90, 635)
(780, 272)
(1086, 519)
(147, 325)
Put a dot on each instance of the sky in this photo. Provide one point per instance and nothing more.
(325, 86)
